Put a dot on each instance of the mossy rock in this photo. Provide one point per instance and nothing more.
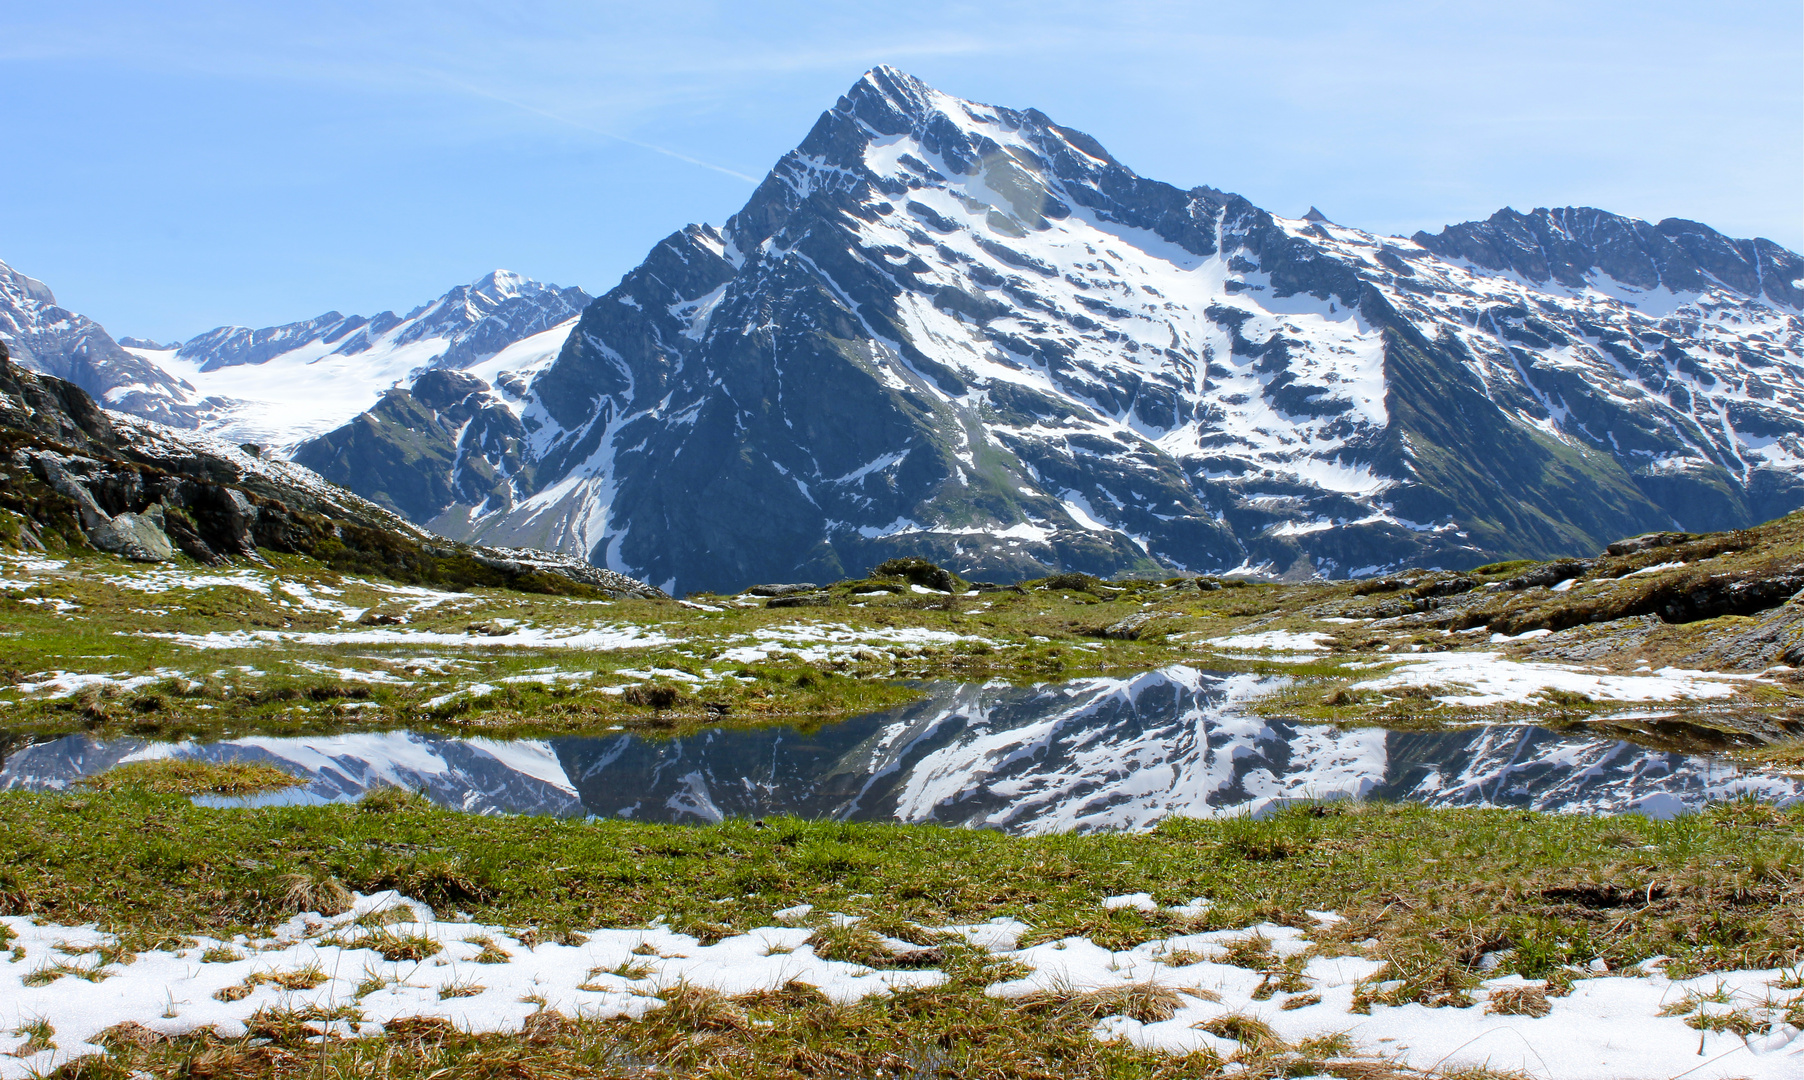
(921, 572)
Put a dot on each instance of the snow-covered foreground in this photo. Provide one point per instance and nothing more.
(487, 978)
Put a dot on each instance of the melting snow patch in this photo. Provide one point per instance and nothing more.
(1277, 640)
(1492, 680)
(474, 690)
(1526, 635)
(595, 639)
(61, 684)
(1609, 1025)
(815, 642)
(1137, 901)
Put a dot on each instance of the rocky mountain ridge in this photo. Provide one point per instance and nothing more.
(947, 329)
(48, 338)
(78, 476)
(278, 385)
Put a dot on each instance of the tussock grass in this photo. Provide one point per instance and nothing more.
(182, 776)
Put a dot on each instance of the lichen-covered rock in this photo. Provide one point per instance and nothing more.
(809, 600)
(1646, 542)
(1596, 641)
(1551, 574)
(1777, 638)
(139, 537)
(1132, 627)
(782, 590)
(921, 572)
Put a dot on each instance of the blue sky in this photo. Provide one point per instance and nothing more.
(175, 166)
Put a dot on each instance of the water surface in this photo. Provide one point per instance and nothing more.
(1099, 753)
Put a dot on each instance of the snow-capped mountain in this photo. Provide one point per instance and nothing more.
(1091, 754)
(51, 339)
(966, 332)
(282, 384)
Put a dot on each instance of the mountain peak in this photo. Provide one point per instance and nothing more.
(501, 283)
(1317, 216)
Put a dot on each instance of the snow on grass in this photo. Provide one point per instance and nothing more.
(818, 642)
(474, 690)
(1484, 678)
(1609, 1027)
(611, 973)
(1276, 640)
(593, 639)
(350, 674)
(388, 958)
(30, 564)
(62, 684)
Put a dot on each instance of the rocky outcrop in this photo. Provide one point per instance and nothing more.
(444, 441)
(1777, 638)
(73, 476)
(1575, 246)
(139, 537)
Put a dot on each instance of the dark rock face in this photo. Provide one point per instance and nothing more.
(1573, 244)
(420, 451)
(77, 476)
(965, 333)
(45, 337)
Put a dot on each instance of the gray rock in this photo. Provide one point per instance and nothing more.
(782, 590)
(816, 600)
(52, 467)
(1595, 641)
(1645, 542)
(1778, 638)
(139, 537)
(1130, 628)
(1551, 574)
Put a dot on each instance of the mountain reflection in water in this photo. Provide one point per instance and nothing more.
(1091, 754)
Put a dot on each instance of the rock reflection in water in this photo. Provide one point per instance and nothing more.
(1091, 754)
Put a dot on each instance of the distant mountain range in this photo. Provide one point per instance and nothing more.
(966, 332)
(282, 384)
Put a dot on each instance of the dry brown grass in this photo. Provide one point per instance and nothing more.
(315, 892)
(1146, 1002)
(1517, 1001)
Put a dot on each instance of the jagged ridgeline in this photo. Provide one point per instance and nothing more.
(75, 477)
(967, 333)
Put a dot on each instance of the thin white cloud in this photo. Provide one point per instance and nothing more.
(581, 126)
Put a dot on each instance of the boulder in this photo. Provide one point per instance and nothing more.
(1135, 626)
(816, 600)
(782, 590)
(1778, 638)
(139, 537)
(1646, 542)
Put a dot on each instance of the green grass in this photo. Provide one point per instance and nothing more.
(98, 616)
(175, 776)
(1429, 892)
(1720, 889)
